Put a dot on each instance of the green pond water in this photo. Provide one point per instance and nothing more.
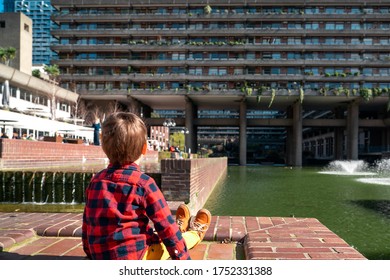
(356, 211)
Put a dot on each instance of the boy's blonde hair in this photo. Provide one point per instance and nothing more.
(123, 137)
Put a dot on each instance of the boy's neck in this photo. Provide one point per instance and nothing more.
(138, 160)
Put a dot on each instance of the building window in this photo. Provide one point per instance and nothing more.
(355, 26)
(267, 56)
(238, 71)
(292, 71)
(2, 24)
(312, 26)
(294, 55)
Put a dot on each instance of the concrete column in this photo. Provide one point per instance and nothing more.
(297, 134)
(353, 131)
(289, 147)
(338, 136)
(192, 137)
(243, 138)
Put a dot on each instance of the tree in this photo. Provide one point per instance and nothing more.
(53, 71)
(7, 55)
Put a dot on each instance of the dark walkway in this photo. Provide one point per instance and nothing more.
(43, 236)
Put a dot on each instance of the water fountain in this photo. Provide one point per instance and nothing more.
(378, 174)
(382, 168)
(43, 187)
(348, 167)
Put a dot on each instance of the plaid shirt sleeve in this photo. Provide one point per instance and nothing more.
(158, 211)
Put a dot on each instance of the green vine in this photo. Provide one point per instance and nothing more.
(301, 94)
(273, 94)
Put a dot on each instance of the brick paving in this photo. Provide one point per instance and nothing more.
(45, 236)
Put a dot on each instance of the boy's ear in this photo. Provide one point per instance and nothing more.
(144, 149)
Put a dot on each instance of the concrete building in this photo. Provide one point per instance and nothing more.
(31, 106)
(16, 31)
(40, 13)
(322, 67)
(29, 112)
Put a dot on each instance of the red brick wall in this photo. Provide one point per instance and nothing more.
(15, 153)
(191, 180)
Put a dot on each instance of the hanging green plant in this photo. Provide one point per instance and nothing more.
(301, 94)
(366, 93)
(323, 91)
(207, 9)
(347, 92)
(355, 91)
(377, 91)
(388, 104)
(273, 94)
(258, 98)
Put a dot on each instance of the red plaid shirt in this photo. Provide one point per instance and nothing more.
(120, 202)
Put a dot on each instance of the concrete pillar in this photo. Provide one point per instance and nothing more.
(243, 138)
(297, 134)
(338, 136)
(192, 137)
(353, 131)
(289, 148)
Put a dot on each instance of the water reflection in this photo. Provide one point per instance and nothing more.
(381, 207)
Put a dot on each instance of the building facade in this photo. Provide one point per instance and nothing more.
(40, 13)
(321, 67)
(20, 26)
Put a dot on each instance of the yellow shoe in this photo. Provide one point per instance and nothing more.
(183, 216)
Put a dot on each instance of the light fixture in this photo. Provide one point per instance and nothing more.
(185, 131)
(169, 123)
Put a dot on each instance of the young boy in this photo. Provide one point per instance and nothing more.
(121, 200)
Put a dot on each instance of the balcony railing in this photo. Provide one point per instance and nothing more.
(282, 63)
(238, 32)
(216, 46)
(263, 78)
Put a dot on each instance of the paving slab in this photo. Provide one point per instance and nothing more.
(58, 236)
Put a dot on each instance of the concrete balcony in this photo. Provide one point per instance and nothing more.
(200, 3)
(224, 16)
(154, 47)
(220, 63)
(239, 32)
(263, 78)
